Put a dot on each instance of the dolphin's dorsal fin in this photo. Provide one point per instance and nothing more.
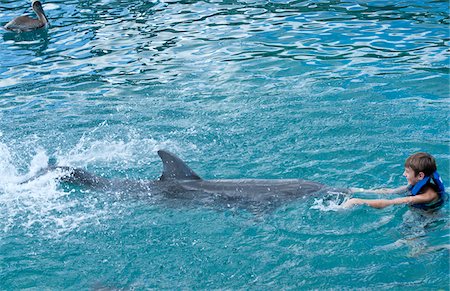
(175, 168)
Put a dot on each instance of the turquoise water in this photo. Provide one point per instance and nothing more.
(338, 92)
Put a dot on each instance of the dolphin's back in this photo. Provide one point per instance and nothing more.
(82, 177)
(177, 171)
(289, 188)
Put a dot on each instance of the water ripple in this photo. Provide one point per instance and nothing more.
(123, 39)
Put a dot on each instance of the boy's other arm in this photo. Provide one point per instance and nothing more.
(426, 197)
(398, 190)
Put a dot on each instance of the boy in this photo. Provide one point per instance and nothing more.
(425, 188)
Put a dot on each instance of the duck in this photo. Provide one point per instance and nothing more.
(25, 23)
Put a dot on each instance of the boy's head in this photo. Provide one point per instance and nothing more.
(421, 162)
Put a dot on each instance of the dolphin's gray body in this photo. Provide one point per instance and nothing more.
(180, 182)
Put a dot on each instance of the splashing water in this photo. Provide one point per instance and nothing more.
(40, 205)
(332, 201)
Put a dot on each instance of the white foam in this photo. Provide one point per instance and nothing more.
(38, 205)
(41, 205)
(332, 201)
(7, 170)
(39, 161)
(50, 6)
(109, 150)
(86, 152)
(326, 205)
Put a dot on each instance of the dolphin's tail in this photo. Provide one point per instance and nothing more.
(39, 174)
(71, 175)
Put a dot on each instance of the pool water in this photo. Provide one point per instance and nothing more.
(337, 92)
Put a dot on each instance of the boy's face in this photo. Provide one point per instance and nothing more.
(411, 176)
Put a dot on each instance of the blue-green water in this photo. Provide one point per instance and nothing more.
(338, 92)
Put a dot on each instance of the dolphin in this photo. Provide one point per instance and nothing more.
(179, 182)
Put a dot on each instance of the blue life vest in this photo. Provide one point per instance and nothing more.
(437, 181)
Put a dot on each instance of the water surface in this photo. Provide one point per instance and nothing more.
(338, 92)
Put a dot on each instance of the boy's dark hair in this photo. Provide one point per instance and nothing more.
(421, 162)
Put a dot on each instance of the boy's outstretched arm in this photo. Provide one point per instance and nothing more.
(398, 190)
(426, 197)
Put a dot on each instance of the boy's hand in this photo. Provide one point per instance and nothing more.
(356, 190)
(376, 203)
(351, 202)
